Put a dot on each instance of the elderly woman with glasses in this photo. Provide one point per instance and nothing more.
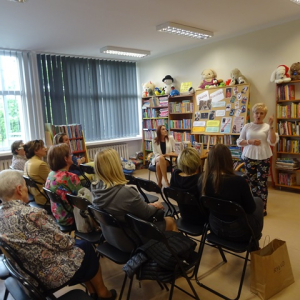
(36, 168)
(19, 158)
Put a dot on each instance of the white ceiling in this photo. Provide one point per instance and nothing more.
(83, 27)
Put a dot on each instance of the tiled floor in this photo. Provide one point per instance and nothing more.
(282, 222)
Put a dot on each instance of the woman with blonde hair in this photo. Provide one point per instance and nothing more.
(113, 195)
(256, 138)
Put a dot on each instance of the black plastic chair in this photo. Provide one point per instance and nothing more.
(132, 181)
(93, 237)
(24, 286)
(30, 183)
(87, 169)
(151, 186)
(232, 209)
(56, 199)
(107, 221)
(149, 231)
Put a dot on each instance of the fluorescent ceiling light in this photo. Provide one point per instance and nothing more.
(183, 30)
(124, 51)
(296, 1)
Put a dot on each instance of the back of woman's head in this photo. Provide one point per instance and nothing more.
(107, 164)
(32, 146)
(57, 155)
(189, 161)
(219, 162)
(58, 138)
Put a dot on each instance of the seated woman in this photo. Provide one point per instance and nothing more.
(36, 168)
(54, 257)
(113, 195)
(185, 179)
(60, 138)
(163, 146)
(19, 158)
(62, 182)
(220, 181)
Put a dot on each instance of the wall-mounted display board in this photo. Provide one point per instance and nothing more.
(221, 110)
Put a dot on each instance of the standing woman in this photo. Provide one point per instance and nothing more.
(256, 138)
(36, 168)
(163, 147)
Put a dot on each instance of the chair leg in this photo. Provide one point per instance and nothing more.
(6, 293)
(129, 288)
(123, 286)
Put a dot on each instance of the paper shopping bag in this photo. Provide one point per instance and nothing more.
(271, 269)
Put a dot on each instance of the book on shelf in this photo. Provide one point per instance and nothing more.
(287, 163)
(286, 92)
(179, 146)
(287, 179)
(198, 147)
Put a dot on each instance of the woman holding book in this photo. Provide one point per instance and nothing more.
(113, 195)
(163, 148)
(220, 181)
(256, 138)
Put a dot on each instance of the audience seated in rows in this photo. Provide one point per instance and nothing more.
(19, 158)
(62, 182)
(112, 195)
(55, 258)
(185, 179)
(36, 168)
(220, 181)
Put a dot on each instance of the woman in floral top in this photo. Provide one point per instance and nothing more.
(62, 182)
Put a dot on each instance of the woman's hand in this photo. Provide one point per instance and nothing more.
(157, 205)
(254, 142)
(271, 120)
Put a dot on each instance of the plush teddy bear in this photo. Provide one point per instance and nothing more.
(148, 89)
(208, 79)
(168, 80)
(237, 77)
(280, 75)
(295, 71)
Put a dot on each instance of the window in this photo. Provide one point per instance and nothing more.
(11, 121)
(101, 95)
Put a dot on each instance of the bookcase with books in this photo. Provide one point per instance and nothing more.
(155, 112)
(75, 135)
(287, 151)
(180, 117)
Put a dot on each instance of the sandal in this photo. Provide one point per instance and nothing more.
(112, 297)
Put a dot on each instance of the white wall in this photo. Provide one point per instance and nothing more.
(256, 54)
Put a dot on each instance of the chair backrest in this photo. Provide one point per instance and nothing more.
(147, 185)
(17, 270)
(56, 199)
(131, 179)
(31, 183)
(190, 207)
(78, 201)
(87, 169)
(113, 231)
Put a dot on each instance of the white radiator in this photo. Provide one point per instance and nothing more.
(5, 164)
(122, 149)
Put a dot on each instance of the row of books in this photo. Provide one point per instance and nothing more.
(288, 145)
(149, 134)
(288, 128)
(153, 124)
(155, 113)
(216, 139)
(76, 145)
(72, 130)
(148, 145)
(155, 101)
(185, 106)
(236, 152)
(286, 92)
(287, 179)
(287, 164)
(288, 111)
(183, 136)
(181, 124)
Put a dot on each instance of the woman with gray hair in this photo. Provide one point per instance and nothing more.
(19, 158)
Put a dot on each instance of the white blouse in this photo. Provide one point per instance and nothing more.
(258, 132)
(170, 147)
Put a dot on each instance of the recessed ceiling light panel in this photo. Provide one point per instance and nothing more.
(184, 30)
(124, 51)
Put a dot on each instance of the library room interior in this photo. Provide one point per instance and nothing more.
(149, 150)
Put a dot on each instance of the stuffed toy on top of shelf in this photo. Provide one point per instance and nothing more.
(159, 91)
(280, 74)
(148, 89)
(236, 77)
(209, 79)
(295, 71)
(168, 80)
(174, 92)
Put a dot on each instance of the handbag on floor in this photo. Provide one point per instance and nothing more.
(271, 269)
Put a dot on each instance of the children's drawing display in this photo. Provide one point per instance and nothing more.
(221, 110)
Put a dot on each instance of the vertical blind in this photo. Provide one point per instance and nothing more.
(101, 95)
